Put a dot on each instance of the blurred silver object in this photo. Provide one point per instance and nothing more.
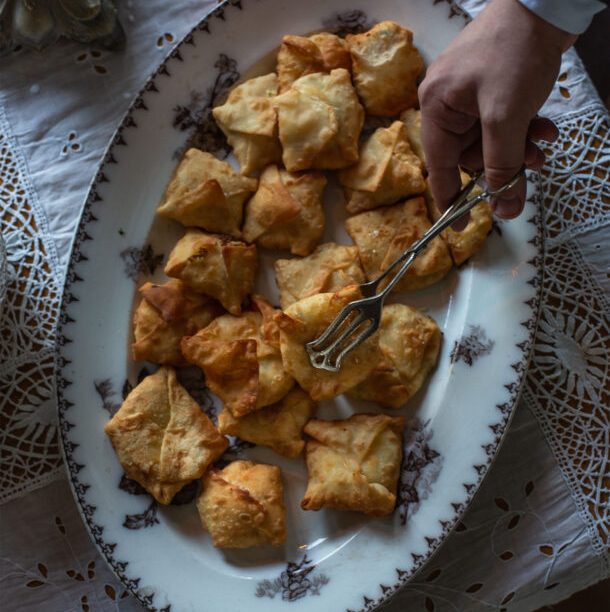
(36, 24)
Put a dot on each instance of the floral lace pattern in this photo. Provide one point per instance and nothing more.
(568, 387)
(28, 431)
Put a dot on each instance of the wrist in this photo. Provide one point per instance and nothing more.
(544, 31)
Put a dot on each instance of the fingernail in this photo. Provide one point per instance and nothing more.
(507, 208)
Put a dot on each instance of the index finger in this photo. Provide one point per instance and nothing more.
(503, 154)
(443, 149)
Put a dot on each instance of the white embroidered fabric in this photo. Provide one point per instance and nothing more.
(539, 529)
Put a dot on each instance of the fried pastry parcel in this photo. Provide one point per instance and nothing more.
(249, 122)
(207, 193)
(162, 437)
(386, 172)
(300, 55)
(279, 426)
(214, 264)
(242, 505)
(464, 244)
(412, 120)
(320, 119)
(305, 320)
(329, 268)
(241, 359)
(409, 344)
(385, 65)
(286, 211)
(165, 314)
(383, 234)
(354, 464)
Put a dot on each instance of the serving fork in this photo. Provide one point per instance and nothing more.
(361, 318)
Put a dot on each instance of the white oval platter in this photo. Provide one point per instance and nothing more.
(487, 310)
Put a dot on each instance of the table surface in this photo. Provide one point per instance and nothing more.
(538, 530)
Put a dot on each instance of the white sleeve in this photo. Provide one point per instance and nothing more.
(573, 16)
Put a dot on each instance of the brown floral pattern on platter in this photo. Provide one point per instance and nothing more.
(421, 465)
(196, 116)
(472, 346)
(298, 580)
(138, 261)
(146, 596)
(148, 518)
(348, 22)
(104, 389)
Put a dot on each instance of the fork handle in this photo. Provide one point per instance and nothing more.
(460, 206)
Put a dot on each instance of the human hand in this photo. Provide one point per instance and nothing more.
(480, 98)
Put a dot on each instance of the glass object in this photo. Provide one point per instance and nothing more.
(36, 24)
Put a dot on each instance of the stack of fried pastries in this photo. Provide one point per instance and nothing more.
(291, 131)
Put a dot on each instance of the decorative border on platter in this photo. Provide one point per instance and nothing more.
(80, 488)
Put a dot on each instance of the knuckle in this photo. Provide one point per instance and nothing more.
(428, 90)
(495, 120)
(496, 176)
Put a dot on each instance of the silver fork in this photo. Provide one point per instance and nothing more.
(328, 350)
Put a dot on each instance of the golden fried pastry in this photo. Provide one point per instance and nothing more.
(320, 119)
(334, 50)
(222, 268)
(241, 359)
(409, 344)
(387, 171)
(354, 464)
(279, 426)
(412, 120)
(165, 314)
(286, 211)
(464, 244)
(329, 268)
(305, 320)
(385, 65)
(383, 234)
(249, 122)
(299, 55)
(162, 437)
(206, 192)
(242, 505)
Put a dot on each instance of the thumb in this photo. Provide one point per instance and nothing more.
(503, 154)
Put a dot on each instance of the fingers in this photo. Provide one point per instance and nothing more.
(472, 158)
(534, 157)
(443, 149)
(541, 128)
(445, 133)
(503, 155)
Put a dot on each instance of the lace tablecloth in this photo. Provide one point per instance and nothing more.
(538, 530)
